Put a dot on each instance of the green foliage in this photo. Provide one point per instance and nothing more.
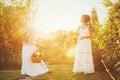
(107, 3)
(112, 30)
(12, 23)
(111, 35)
(54, 46)
(97, 30)
(2, 19)
(108, 36)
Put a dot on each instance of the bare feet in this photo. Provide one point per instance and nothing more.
(50, 71)
(26, 77)
(76, 73)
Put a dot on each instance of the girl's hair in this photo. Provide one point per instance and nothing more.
(85, 18)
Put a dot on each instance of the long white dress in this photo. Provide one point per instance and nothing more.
(83, 57)
(28, 67)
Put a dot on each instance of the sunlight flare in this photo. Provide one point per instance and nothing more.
(62, 14)
(71, 52)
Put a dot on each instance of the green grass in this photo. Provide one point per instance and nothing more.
(60, 72)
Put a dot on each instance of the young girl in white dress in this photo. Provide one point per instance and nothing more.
(28, 67)
(83, 57)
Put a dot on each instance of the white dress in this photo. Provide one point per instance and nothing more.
(28, 67)
(83, 57)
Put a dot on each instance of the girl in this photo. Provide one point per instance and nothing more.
(83, 58)
(30, 69)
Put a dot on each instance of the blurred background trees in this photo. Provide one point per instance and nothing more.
(13, 19)
(107, 36)
(111, 34)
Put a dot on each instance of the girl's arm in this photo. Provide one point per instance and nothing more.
(88, 36)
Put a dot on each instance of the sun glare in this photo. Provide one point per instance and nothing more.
(44, 26)
(71, 52)
(55, 15)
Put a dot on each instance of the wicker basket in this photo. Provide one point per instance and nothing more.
(36, 59)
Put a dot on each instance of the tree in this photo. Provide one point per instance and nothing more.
(13, 20)
(112, 35)
(97, 29)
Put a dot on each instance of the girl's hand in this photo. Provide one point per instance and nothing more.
(85, 37)
(82, 37)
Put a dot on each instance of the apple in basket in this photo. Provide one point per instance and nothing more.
(36, 57)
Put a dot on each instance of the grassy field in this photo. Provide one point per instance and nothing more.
(60, 72)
